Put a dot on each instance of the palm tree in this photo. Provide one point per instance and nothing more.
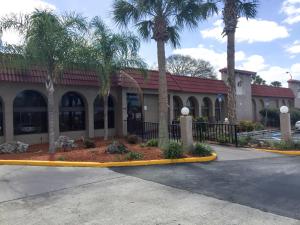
(161, 20)
(111, 54)
(48, 38)
(232, 11)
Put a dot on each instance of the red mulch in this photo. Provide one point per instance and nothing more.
(80, 154)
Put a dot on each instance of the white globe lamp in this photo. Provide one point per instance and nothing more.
(185, 111)
(284, 109)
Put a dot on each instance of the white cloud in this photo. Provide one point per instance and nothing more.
(254, 63)
(291, 8)
(20, 7)
(252, 30)
(294, 48)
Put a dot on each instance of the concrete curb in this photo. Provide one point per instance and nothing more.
(286, 152)
(108, 164)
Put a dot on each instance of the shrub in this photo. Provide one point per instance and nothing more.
(295, 116)
(173, 151)
(134, 156)
(132, 139)
(61, 158)
(244, 141)
(286, 145)
(246, 126)
(223, 139)
(117, 148)
(88, 143)
(258, 126)
(201, 149)
(152, 143)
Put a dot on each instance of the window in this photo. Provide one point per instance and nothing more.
(99, 113)
(177, 107)
(71, 113)
(206, 108)
(191, 104)
(30, 113)
(1, 119)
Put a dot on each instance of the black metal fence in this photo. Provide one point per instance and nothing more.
(222, 133)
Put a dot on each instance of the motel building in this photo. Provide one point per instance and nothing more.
(79, 109)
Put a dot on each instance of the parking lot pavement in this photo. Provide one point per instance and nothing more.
(268, 184)
(55, 196)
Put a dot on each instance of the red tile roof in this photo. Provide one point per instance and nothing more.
(175, 83)
(178, 83)
(269, 91)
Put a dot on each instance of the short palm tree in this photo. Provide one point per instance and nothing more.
(161, 20)
(112, 53)
(48, 38)
(232, 11)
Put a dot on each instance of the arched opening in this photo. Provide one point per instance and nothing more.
(1, 118)
(254, 110)
(71, 112)
(99, 113)
(283, 102)
(219, 110)
(290, 104)
(30, 113)
(206, 108)
(193, 106)
(177, 106)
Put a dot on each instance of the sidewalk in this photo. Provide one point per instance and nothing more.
(226, 153)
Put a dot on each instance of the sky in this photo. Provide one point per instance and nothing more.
(268, 44)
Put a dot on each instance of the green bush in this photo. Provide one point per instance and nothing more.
(88, 143)
(259, 126)
(134, 156)
(246, 126)
(173, 151)
(200, 149)
(132, 139)
(295, 116)
(116, 148)
(286, 145)
(223, 139)
(61, 158)
(152, 143)
(244, 141)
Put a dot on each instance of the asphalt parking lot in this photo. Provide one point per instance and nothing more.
(257, 189)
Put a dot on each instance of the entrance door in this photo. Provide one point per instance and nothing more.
(134, 114)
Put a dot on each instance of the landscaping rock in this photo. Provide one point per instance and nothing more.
(65, 142)
(17, 147)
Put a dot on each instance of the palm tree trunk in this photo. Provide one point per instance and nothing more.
(51, 129)
(231, 77)
(163, 95)
(105, 102)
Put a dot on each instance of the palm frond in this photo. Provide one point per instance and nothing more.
(247, 9)
(174, 36)
(125, 12)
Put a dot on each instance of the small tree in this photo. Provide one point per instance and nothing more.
(48, 38)
(188, 66)
(276, 84)
(110, 54)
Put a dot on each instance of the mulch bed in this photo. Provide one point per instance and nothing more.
(80, 154)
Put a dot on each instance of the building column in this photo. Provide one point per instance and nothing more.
(8, 120)
(199, 99)
(90, 119)
(119, 119)
(124, 112)
(56, 116)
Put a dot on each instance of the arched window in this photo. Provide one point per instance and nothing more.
(71, 112)
(219, 110)
(177, 105)
(206, 108)
(30, 113)
(1, 118)
(192, 105)
(99, 113)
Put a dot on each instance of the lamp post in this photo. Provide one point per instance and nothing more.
(285, 124)
(186, 129)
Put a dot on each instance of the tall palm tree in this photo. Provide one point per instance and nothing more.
(232, 11)
(161, 20)
(112, 53)
(48, 38)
